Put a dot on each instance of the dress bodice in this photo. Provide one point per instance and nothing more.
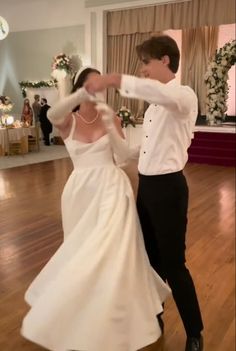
(89, 155)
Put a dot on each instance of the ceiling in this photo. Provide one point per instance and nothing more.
(24, 15)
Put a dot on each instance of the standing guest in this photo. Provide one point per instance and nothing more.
(163, 192)
(98, 292)
(45, 124)
(36, 108)
(27, 113)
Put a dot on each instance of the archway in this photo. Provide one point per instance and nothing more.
(216, 79)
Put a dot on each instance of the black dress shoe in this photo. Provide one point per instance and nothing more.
(194, 344)
(161, 323)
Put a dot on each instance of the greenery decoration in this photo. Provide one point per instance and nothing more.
(216, 79)
(36, 84)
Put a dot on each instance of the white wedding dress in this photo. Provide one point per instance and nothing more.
(98, 292)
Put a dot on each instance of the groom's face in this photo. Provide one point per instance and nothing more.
(154, 68)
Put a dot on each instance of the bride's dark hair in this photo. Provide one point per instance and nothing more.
(79, 82)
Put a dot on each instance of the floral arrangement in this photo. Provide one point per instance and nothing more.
(62, 62)
(62, 72)
(216, 82)
(5, 104)
(17, 123)
(37, 84)
(125, 114)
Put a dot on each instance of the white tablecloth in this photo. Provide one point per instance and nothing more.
(3, 140)
(13, 134)
(16, 134)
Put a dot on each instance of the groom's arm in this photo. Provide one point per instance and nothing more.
(175, 98)
(101, 82)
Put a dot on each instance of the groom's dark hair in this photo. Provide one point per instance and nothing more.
(158, 46)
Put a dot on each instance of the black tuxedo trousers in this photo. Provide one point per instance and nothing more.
(162, 204)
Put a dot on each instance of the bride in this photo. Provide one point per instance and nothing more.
(98, 292)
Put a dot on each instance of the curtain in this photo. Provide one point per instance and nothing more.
(198, 46)
(127, 28)
(122, 58)
(186, 14)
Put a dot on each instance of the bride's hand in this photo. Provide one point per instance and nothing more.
(83, 95)
(107, 114)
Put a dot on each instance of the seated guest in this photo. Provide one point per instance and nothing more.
(46, 125)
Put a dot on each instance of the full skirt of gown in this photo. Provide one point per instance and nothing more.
(98, 292)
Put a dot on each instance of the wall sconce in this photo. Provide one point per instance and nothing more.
(4, 28)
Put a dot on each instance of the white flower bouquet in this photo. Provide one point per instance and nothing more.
(125, 114)
(5, 104)
(62, 72)
(62, 62)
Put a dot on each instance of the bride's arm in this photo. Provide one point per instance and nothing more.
(115, 133)
(58, 113)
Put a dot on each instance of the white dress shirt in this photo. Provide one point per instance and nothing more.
(168, 123)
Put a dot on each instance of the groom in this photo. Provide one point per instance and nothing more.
(163, 192)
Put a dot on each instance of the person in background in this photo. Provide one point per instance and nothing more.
(36, 108)
(163, 191)
(27, 113)
(45, 124)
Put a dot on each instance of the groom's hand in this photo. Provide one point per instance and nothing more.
(99, 83)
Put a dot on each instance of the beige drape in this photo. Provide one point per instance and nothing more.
(127, 28)
(122, 58)
(188, 14)
(198, 46)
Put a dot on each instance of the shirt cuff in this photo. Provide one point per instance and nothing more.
(127, 86)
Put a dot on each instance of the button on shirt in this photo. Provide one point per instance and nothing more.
(168, 123)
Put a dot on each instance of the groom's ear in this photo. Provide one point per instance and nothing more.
(165, 60)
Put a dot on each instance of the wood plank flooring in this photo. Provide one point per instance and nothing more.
(30, 232)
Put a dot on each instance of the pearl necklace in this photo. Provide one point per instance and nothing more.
(85, 121)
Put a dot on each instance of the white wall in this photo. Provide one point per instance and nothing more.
(28, 55)
(25, 15)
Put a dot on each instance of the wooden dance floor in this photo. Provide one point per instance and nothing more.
(30, 232)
